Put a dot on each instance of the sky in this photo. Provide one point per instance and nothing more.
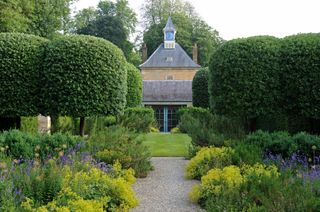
(244, 18)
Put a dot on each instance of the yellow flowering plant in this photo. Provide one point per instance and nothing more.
(208, 158)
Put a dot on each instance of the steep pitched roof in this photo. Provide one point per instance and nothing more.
(167, 91)
(169, 58)
(169, 26)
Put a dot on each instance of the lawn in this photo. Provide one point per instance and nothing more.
(168, 145)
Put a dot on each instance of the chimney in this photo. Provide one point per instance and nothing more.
(144, 53)
(195, 53)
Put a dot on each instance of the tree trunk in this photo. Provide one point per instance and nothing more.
(82, 122)
(252, 124)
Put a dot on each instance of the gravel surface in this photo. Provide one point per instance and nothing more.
(165, 189)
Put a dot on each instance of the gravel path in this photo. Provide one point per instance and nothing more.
(165, 189)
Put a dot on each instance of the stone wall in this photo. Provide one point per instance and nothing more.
(168, 74)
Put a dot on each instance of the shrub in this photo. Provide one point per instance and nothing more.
(220, 186)
(29, 125)
(118, 144)
(208, 158)
(134, 81)
(21, 57)
(62, 124)
(300, 76)
(83, 76)
(195, 112)
(200, 93)
(72, 182)
(19, 145)
(138, 119)
(277, 142)
(247, 154)
(307, 144)
(210, 129)
(244, 78)
(99, 123)
(175, 130)
(281, 143)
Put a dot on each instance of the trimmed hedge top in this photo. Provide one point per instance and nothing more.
(134, 95)
(301, 74)
(83, 76)
(21, 56)
(243, 77)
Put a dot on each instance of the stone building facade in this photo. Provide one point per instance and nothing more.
(167, 78)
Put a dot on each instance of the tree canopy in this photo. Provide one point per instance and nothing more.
(190, 27)
(113, 21)
(39, 17)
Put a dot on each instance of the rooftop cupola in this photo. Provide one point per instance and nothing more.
(169, 32)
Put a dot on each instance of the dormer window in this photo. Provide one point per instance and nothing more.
(169, 59)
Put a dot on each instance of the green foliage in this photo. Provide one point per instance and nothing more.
(20, 64)
(195, 112)
(190, 27)
(253, 188)
(208, 129)
(300, 75)
(42, 184)
(138, 119)
(99, 123)
(200, 93)
(42, 17)
(83, 76)
(244, 78)
(284, 144)
(134, 82)
(19, 145)
(29, 124)
(75, 186)
(208, 158)
(113, 21)
(118, 144)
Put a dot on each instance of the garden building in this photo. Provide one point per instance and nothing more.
(167, 78)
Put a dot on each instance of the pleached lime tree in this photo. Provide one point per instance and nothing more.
(20, 62)
(134, 95)
(244, 79)
(300, 78)
(83, 76)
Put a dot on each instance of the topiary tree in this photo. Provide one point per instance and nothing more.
(200, 93)
(134, 82)
(300, 78)
(244, 78)
(20, 62)
(83, 76)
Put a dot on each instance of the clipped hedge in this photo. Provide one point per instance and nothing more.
(20, 62)
(301, 76)
(138, 119)
(134, 81)
(83, 76)
(200, 93)
(244, 78)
